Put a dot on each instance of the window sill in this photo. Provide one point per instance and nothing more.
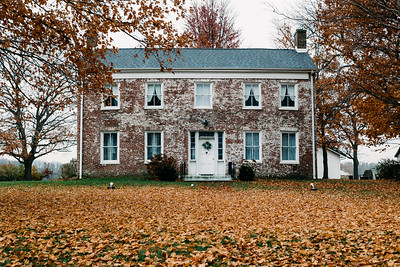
(250, 161)
(114, 162)
(203, 107)
(253, 108)
(289, 162)
(288, 108)
(161, 107)
(110, 108)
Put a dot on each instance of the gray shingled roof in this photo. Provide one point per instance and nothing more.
(214, 59)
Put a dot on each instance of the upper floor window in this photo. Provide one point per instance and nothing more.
(154, 95)
(203, 95)
(109, 148)
(288, 96)
(153, 143)
(112, 100)
(252, 96)
(252, 146)
(289, 148)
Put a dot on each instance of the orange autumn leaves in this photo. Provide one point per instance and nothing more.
(272, 222)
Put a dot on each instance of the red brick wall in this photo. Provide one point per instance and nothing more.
(178, 117)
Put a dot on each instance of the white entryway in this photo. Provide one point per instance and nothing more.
(206, 154)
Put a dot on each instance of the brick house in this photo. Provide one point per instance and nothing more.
(219, 107)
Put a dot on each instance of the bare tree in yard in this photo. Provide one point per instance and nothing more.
(211, 24)
(36, 112)
(51, 52)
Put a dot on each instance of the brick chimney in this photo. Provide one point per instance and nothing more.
(300, 38)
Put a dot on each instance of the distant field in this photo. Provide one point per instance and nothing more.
(271, 222)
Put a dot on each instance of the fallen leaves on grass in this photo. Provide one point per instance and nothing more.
(342, 223)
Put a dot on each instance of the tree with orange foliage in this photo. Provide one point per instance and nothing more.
(366, 35)
(211, 24)
(53, 51)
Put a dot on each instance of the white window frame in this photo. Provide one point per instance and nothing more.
(105, 162)
(211, 96)
(145, 144)
(259, 149)
(296, 97)
(259, 96)
(147, 92)
(296, 161)
(118, 96)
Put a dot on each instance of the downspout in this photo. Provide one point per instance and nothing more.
(80, 138)
(313, 124)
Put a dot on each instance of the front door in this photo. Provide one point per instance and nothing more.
(207, 153)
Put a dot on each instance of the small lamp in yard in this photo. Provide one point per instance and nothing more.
(312, 187)
(111, 186)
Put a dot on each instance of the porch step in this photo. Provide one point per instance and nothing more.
(207, 178)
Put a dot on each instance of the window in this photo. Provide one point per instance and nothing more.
(252, 146)
(153, 144)
(288, 96)
(154, 97)
(109, 148)
(220, 146)
(289, 152)
(252, 96)
(192, 145)
(203, 95)
(111, 101)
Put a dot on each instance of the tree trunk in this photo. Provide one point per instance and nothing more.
(28, 170)
(355, 162)
(325, 162)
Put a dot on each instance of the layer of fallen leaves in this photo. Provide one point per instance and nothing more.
(270, 223)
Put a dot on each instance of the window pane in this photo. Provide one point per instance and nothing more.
(113, 152)
(149, 153)
(292, 139)
(114, 141)
(157, 150)
(256, 153)
(285, 141)
(292, 153)
(157, 139)
(248, 153)
(285, 153)
(256, 139)
(105, 154)
(107, 139)
(248, 139)
(150, 141)
(153, 97)
(220, 146)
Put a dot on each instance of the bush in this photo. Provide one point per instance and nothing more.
(163, 168)
(12, 172)
(246, 173)
(388, 169)
(69, 170)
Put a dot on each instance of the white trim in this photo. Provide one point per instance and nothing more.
(296, 96)
(80, 139)
(297, 148)
(162, 96)
(145, 144)
(108, 162)
(103, 107)
(211, 95)
(259, 148)
(313, 125)
(259, 96)
(303, 75)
